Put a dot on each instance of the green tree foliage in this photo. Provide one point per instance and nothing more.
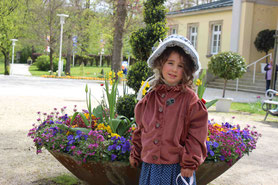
(227, 65)
(265, 40)
(138, 72)
(11, 17)
(143, 40)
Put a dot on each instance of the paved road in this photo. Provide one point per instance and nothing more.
(21, 83)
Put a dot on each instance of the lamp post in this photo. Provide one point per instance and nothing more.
(62, 21)
(13, 40)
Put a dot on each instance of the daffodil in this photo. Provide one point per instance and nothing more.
(198, 82)
(120, 74)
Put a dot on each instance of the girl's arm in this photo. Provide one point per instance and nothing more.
(195, 150)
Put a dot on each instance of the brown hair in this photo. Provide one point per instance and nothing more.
(188, 64)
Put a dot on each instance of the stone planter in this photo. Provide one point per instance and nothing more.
(223, 104)
(119, 173)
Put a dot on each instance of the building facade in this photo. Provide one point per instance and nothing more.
(225, 25)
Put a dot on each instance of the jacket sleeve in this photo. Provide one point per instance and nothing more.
(195, 150)
(136, 137)
(266, 68)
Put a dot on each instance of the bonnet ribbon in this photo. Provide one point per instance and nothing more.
(190, 180)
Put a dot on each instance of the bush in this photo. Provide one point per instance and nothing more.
(26, 52)
(126, 104)
(43, 63)
(227, 65)
(137, 73)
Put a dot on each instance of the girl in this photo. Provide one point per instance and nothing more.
(171, 133)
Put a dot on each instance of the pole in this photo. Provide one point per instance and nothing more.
(275, 61)
(60, 54)
(13, 44)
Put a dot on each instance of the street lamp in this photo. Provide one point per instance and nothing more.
(62, 21)
(13, 40)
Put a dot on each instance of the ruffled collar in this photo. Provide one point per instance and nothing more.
(165, 87)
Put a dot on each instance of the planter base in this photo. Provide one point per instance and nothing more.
(223, 104)
(119, 173)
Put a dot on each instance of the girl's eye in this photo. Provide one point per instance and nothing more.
(180, 66)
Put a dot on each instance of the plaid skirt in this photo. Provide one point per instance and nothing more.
(161, 174)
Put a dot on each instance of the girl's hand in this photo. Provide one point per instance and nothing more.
(133, 162)
(187, 172)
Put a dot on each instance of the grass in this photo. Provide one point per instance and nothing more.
(59, 180)
(2, 65)
(253, 108)
(86, 71)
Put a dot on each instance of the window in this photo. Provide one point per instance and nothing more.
(173, 29)
(216, 38)
(192, 33)
(214, 41)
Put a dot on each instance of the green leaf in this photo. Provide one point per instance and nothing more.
(208, 104)
(84, 119)
(98, 112)
(114, 124)
(73, 117)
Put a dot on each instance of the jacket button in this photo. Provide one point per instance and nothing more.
(160, 109)
(155, 157)
(163, 95)
(155, 141)
(157, 125)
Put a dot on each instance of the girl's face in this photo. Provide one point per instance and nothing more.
(172, 69)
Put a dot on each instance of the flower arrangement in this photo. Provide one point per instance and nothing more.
(100, 135)
(97, 135)
(227, 142)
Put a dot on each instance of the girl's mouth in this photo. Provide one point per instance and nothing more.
(172, 76)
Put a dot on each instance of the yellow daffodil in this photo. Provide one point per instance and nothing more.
(198, 82)
(144, 91)
(120, 74)
(142, 83)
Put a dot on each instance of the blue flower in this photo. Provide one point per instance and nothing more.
(118, 147)
(113, 157)
(222, 158)
(215, 144)
(110, 148)
(211, 153)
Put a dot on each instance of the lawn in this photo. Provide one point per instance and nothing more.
(1, 65)
(87, 71)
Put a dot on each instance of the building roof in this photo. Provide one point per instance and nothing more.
(215, 4)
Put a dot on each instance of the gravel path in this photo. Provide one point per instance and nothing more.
(20, 164)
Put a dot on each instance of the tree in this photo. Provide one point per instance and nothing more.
(265, 41)
(46, 24)
(121, 13)
(9, 27)
(144, 39)
(227, 65)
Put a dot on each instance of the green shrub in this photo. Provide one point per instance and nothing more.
(25, 53)
(43, 63)
(137, 73)
(227, 65)
(126, 104)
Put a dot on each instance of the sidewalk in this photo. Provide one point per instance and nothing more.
(21, 71)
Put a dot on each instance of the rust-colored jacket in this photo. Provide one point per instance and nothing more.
(171, 128)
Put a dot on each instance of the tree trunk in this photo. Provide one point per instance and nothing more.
(69, 52)
(121, 14)
(51, 60)
(7, 62)
(224, 89)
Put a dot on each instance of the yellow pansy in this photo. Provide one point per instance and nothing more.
(114, 134)
(208, 138)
